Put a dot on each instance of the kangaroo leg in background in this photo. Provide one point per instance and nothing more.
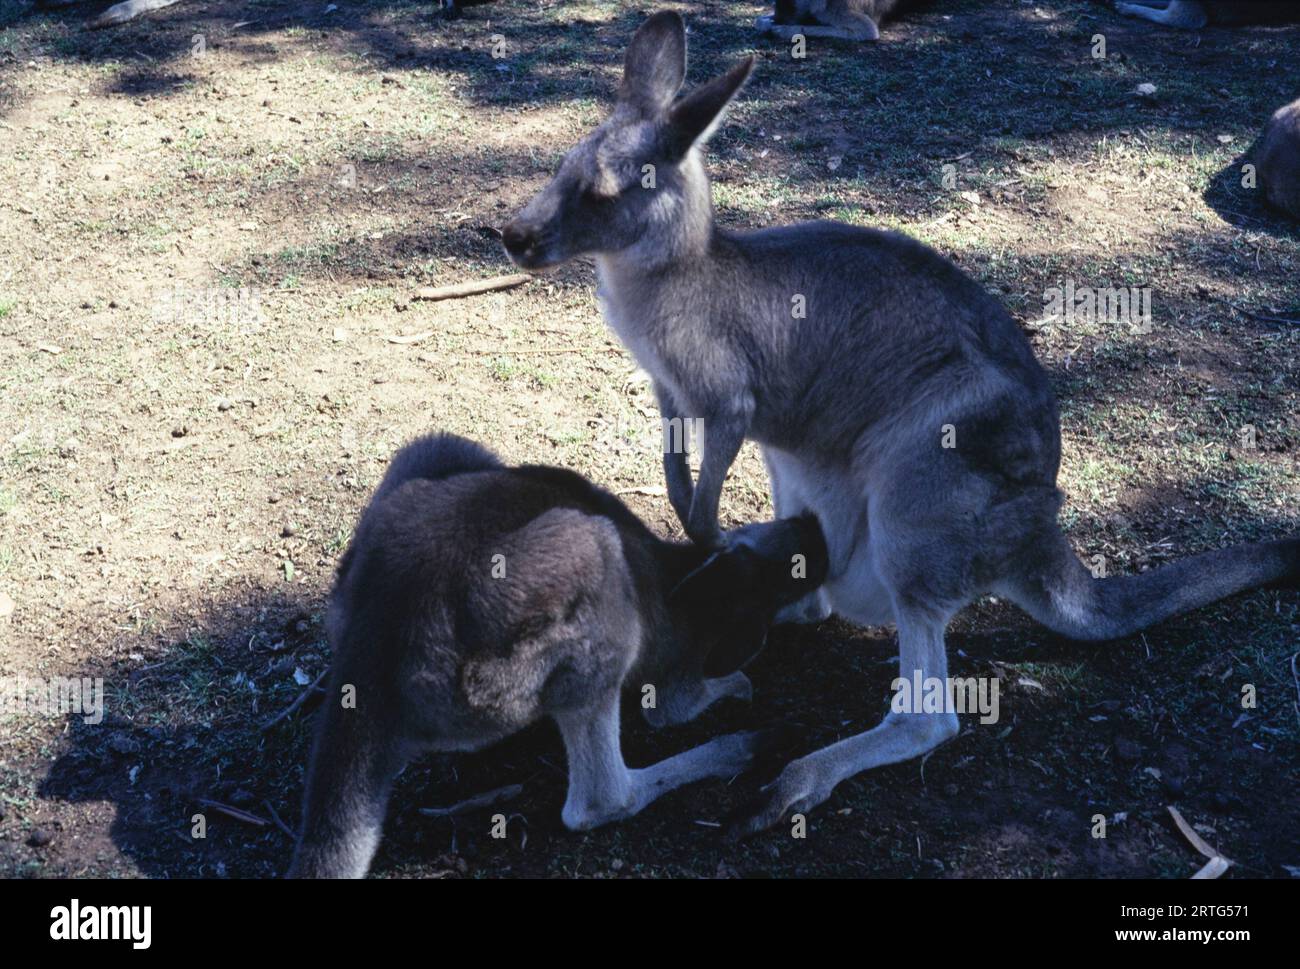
(843, 26)
(683, 702)
(353, 764)
(603, 789)
(1179, 13)
(677, 468)
(120, 13)
(724, 433)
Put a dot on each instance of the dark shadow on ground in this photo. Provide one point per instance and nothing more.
(1082, 729)
(1236, 194)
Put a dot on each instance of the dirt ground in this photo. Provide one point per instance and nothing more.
(214, 222)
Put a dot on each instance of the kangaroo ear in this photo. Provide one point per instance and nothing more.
(655, 65)
(694, 117)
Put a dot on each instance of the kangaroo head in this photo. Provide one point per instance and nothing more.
(725, 607)
(635, 176)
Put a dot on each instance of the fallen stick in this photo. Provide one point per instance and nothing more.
(408, 340)
(1262, 317)
(235, 813)
(1296, 676)
(293, 835)
(288, 711)
(488, 798)
(457, 290)
(508, 352)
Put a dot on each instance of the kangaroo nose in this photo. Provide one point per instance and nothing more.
(517, 238)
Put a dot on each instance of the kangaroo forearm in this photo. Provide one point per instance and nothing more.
(722, 440)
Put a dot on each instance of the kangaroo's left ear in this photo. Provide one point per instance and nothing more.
(693, 118)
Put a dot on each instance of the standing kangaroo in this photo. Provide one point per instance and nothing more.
(1195, 14)
(475, 599)
(891, 395)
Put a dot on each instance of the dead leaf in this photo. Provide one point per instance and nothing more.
(1217, 864)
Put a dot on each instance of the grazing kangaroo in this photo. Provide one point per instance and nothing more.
(891, 395)
(475, 599)
(845, 19)
(1278, 159)
(1195, 14)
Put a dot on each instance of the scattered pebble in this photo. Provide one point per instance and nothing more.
(180, 430)
(40, 838)
(289, 531)
(122, 744)
(1146, 90)
(1127, 750)
(7, 606)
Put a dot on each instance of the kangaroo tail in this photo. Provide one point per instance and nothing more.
(1062, 594)
(354, 760)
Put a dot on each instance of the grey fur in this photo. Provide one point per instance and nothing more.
(1194, 14)
(448, 647)
(899, 355)
(842, 19)
(1278, 158)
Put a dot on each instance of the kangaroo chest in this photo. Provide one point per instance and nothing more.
(640, 327)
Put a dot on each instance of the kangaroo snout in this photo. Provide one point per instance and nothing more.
(520, 240)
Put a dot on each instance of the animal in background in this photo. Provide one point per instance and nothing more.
(117, 14)
(844, 19)
(1194, 14)
(476, 598)
(1277, 159)
(891, 395)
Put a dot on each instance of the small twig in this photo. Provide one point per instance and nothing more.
(526, 350)
(1296, 676)
(293, 835)
(288, 711)
(235, 813)
(1263, 317)
(408, 340)
(458, 290)
(486, 799)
